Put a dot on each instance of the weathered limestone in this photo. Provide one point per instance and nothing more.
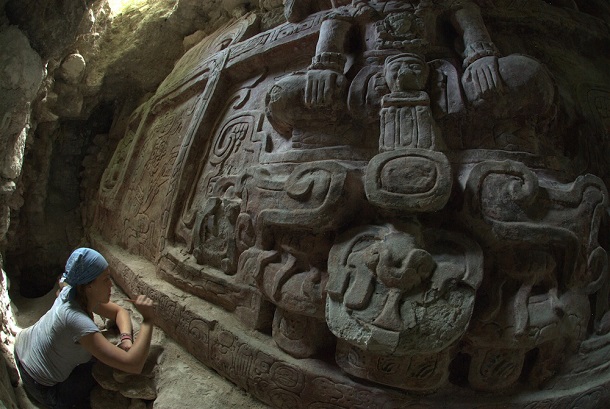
(99, 64)
(386, 188)
(22, 74)
(8, 371)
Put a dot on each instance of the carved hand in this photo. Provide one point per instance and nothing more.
(482, 77)
(324, 87)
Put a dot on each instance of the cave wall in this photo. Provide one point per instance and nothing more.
(96, 66)
(22, 75)
(72, 73)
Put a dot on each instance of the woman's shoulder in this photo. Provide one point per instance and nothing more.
(75, 320)
(69, 311)
(72, 309)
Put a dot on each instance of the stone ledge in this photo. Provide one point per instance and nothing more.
(250, 359)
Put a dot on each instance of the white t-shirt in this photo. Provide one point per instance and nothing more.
(49, 350)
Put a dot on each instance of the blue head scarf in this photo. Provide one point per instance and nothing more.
(83, 266)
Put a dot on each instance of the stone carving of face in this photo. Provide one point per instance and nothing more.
(406, 72)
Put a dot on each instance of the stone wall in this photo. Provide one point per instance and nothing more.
(413, 193)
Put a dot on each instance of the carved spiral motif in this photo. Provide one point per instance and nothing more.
(232, 134)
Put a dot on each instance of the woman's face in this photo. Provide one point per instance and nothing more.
(99, 289)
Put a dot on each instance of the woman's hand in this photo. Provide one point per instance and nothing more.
(125, 345)
(145, 306)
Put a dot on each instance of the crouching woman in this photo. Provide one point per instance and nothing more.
(54, 356)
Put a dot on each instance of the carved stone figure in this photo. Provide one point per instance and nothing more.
(470, 80)
(391, 299)
(393, 208)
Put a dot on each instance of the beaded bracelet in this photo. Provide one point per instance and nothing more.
(328, 61)
(126, 336)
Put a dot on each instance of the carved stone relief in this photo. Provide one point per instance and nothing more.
(393, 198)
(398, 299)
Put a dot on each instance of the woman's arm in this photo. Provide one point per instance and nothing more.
(122, 319)
(131, 361)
